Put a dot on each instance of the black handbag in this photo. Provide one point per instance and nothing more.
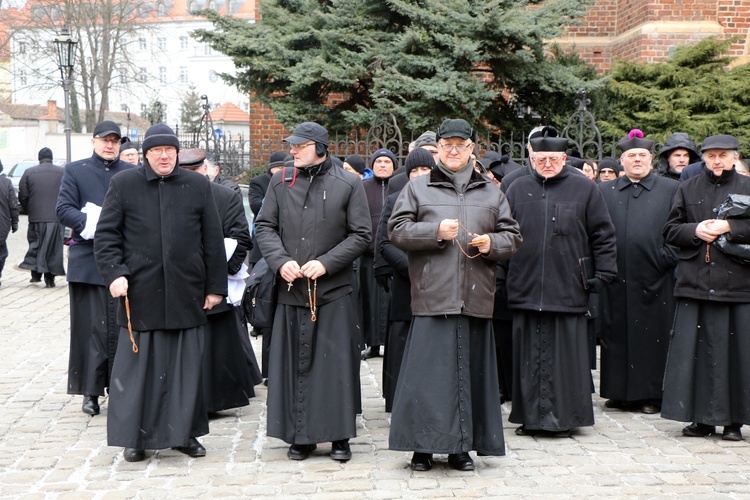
(736, 206)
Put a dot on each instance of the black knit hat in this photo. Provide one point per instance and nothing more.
(635, 140)
(418, 158)
(276, 159)
(45, 154)
(609, 162)
(160, 135)
(385, 152)
(548, 141)
(356, 162)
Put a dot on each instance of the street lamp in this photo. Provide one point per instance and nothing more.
(126, 108)
(66, 54)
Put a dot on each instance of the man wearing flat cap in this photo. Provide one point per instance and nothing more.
(637, 309)
(706, 380)
(568, 249)
(455, 225)
(230, 368)
(313, 225)
(93, 330)
(160, 251)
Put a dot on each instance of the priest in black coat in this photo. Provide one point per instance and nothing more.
(638, 307)
(313, 225)
(160, 250)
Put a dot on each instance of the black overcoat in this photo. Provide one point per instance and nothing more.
(8, 207)
(163, 233)
(638, 307)
(84, 181)
(38, 189)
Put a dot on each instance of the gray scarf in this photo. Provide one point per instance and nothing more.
(459, 179)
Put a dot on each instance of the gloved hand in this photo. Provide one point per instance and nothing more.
(595, 285)
(384, 281)
(14, 227)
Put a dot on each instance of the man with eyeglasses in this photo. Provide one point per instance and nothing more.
(455, 225)
(313, 225)
(568, 249)
(93, 330)
(638, 307)
(160, 250)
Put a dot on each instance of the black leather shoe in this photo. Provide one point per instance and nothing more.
(460, 461)
(300, 451)
(340, 450)
(732, 433)
(523, 431)
(371, 352)
(421, 461)
(698, 430)
(650, 408)
(193, 449)
(90, 405)
(49, 284)
(133, 454)
(35, 277)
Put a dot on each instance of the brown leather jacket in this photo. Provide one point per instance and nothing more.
(443, 279)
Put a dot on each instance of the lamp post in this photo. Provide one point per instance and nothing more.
(126, 108)
(66, 53)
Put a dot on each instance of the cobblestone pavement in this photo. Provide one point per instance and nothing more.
(49, 448)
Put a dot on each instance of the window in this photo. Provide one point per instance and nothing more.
(161, 10)
(142, 75)
(183, 43)
(161, 43)
(142, 44)
(207, 51)
(21, 47)
(22, 77)
(162, 74)
(183, 74)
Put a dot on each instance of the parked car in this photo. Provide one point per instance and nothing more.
(16, 172)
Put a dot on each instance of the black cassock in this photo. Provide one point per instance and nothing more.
(638, 307)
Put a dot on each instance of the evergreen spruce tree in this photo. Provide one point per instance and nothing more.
(191, 111)
(422, 60)
(695, 91)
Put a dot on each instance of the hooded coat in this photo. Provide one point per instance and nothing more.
(678, 140)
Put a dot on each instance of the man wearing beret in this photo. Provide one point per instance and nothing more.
(568, 249)
(93, 331)
(638, 307)
(455, 225)
(313, 225)
(707, 379)
(160, 250)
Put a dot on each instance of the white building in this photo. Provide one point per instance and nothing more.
(165, 61)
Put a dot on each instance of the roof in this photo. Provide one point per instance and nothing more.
(228, 112)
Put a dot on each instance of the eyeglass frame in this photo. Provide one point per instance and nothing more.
(552, 160)
(169, 150)
(460, 148)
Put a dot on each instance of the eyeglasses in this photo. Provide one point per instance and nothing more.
(115, 140)
(544, 159)
(300, 146)
(160, 151)
(458, 147)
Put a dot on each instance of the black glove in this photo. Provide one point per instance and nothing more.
(384, 281)
(595, 285)
(14, 227)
